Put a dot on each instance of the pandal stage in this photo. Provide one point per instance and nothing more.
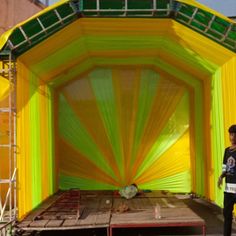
(78, 209)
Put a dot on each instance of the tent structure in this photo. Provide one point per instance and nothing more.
(111, 93)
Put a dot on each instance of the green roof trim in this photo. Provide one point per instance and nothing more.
(41, 27)
(209, 25)
(36, 30)
(128, 8)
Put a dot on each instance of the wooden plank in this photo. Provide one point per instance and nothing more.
(68, 216)
(103, 218)
(54, 223)
(24, 223)
(69, 223)
(96, 192)
(39, 223)
(33, 215)
(66, 204)
(54, 209)
(49, 201)
(63, 209)
(119, 201)
(170, 202)
(42, 207)
(156, 194)
(88, 217)
(176, 215)
(98, 209)
(105, 203)
(133, 204)
(49, 216)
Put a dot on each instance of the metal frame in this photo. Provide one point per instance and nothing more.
(125, 10)
(222, 36)
(45, 31)
(8, 208)
(8, 203)
(6, 229)
(232, 17)
(173, 10)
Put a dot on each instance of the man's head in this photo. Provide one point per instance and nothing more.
(232, 134)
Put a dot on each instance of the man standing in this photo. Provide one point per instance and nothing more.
(229, 173)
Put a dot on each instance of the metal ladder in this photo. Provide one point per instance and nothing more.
(8, 210)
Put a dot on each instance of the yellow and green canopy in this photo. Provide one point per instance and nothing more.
(120, 97)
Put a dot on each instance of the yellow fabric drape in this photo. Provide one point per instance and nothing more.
(127, 106)
(185, 57)
(71, 167)
(229, 95)
(4, 88)
(23, 134)
(132, 108)
(83, 108)
(166, 165)
(34, 155)
(159, 115)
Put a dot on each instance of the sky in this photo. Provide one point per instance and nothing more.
(226, 7)
(53, 1)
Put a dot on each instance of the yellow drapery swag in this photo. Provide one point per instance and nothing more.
(4, 88)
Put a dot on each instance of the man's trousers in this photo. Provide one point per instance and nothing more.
(229, 200)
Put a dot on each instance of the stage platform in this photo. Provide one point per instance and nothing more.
(76, 209)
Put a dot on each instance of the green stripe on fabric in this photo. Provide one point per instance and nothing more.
(68, 182)
(199, 137)
(63, 55)
(198, 102)
(79, 47)
(51, 151)
(35, 141)
(72, 130)
(102, 85)
(72, 73)
(179, 183)
(174, 129)
(217, 133)
(148, 88)
(198, 120)
(196, 61)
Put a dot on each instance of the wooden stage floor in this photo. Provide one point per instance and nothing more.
(76, 209)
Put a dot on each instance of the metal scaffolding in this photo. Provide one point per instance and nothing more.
(22, 39)
(210, 25)
(8, 208)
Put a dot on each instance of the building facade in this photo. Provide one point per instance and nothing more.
(13, 12)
